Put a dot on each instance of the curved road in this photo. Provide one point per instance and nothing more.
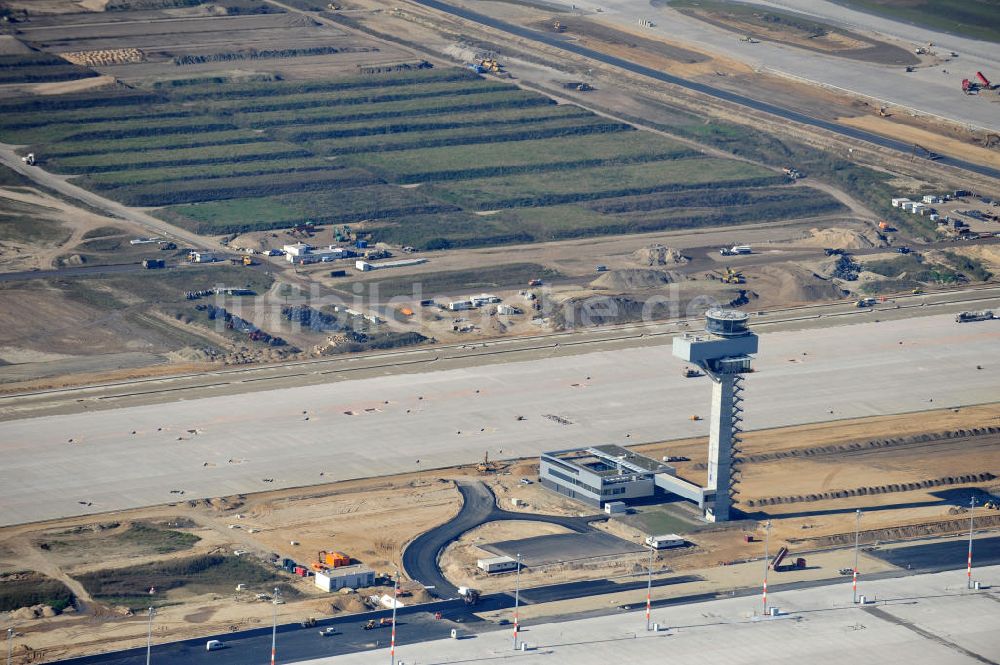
(788, 114)
(420, 558)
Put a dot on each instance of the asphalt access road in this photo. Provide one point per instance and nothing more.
(417, 623)
(788, 114)
(420, 558)
(942, 556)
(295, 643)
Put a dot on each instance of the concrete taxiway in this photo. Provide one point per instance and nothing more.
(157, 452)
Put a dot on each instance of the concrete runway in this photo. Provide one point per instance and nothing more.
(933, 90)
(230, 444)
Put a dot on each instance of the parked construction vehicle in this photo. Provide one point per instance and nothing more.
(486, 466)
(309, 623)
(690, 373)
(733, 277)
(469, 595)
(968, 317)
(558, 26)
(29, 159)
(371, 624)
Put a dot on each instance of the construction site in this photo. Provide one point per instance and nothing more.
(354, 327)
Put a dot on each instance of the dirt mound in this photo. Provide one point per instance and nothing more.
(350, 603)
(33, 612)
(632, 278)
(658, 255)
(840, 238)
(789, 285)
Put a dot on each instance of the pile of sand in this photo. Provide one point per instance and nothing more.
(839, 238)
(658, 255)
(33, 612)
(632, 278)
(791, 285)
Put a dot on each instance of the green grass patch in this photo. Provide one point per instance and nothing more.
(484, 102)
(341, 206)
(913, 267)
(354, 96)
(24, 589)
(497, 159)
(112, 179)
(978, 20)
(544, 129)
(201, 574)
(239, 187)
(452, 282)
(239, 152)
(72, 148)
(600, 182)
(970, 267)
(277, 88)
(39, 68)
(500, 118)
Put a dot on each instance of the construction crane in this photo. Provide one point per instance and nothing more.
(486, 466)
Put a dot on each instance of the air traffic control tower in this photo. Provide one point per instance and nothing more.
(723, 352)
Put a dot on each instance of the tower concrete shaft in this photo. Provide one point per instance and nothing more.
(724, 441)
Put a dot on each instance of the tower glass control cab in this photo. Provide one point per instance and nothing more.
(723, 352)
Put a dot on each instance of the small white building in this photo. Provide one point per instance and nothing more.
(615, 507)
(458, 305)
(664, 542)
(296, 250)
(497, 564)
(917, 208)
(388, 601)
(931, 198)
(484, 299)
(508, 310)
(898, 201)
(363, 266)
(345, 577)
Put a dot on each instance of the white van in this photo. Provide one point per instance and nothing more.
(214, 645)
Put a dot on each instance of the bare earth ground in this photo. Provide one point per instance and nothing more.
(372, 520)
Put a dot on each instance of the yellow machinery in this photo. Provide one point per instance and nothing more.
(733, 277)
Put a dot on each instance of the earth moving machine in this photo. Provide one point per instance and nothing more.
(372, 624)
(486, 466)
(309, 623)
(469, 595)
(733, 277)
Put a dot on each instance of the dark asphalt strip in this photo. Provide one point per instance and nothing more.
(885, 616)
(734, 98)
